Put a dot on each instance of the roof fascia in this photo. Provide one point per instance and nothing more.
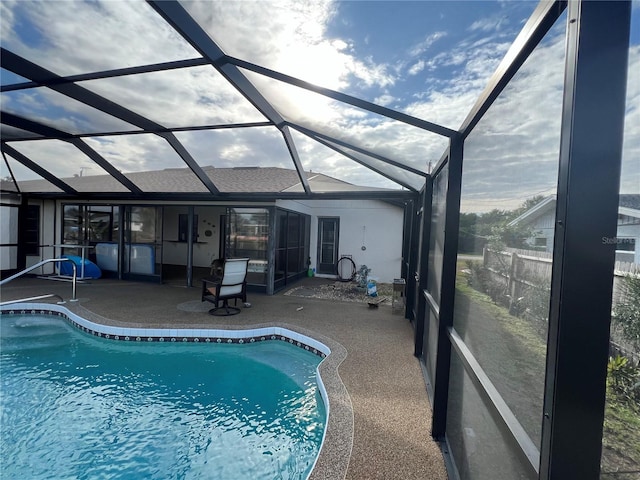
(629, 212)
(536, 211)
(241, 197)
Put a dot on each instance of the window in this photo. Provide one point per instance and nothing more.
(183, 227)
(626, 244)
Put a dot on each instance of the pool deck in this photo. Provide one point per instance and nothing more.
(379, 421)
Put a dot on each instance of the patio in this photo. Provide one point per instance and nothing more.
(378, 428)
(413, 134)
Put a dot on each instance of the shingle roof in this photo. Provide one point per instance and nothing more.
(183, 180)
(630, 200)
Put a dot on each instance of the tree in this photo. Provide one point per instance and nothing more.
(528, 204)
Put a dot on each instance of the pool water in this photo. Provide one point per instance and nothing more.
(77, 406)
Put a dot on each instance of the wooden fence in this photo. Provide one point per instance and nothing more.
(523, 277)
(521, 281)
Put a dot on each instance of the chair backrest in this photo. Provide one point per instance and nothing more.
(217, 267)
(235, 273)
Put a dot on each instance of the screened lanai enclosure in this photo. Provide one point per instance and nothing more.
(140, 131)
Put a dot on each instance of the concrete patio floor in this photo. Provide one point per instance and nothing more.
(380, 415)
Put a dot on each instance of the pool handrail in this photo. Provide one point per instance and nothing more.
(37, 265)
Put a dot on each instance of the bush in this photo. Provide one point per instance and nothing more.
(627, 313)
(623, 378)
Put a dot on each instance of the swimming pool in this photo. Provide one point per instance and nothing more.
(81, 406)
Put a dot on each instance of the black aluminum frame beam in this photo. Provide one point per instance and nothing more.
(243, 197)
(539, 23)
(447, 288)
(421, 275)
(415, 245)
(176, 16)
(228, 126)
(507, 421)
(6, 163)
(586, 215)
(118, 72)
(344, 98)
(344, 153)
(6, 149)
(40, 129)
(36, 73)
(314, 134)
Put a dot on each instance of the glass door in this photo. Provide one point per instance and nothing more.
(142, 259)
(328, 229)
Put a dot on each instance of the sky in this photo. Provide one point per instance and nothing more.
(429, 59)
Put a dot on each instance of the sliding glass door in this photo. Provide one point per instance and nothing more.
(142, 259)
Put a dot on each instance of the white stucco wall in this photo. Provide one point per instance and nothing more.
(372, 224)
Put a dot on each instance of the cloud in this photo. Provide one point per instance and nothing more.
(421, 47)
(69, 36)
(630, 175)
(416, 67)
(489, 24)
(512, 153)
(194, 96)
(290, 37)
(385, 99)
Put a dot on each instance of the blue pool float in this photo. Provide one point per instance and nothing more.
(91, 270)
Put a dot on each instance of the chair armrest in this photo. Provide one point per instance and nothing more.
(214, 280)
(209, 284)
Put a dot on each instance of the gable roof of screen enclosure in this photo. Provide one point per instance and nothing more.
(247, 109)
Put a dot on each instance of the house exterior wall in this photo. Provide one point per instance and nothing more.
(375, 225)
(370, 231)
(625, 233)
(543, 226)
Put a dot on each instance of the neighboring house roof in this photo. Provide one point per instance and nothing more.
(183, 180)
(546, 205)
(630, 201)
(629, 205)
